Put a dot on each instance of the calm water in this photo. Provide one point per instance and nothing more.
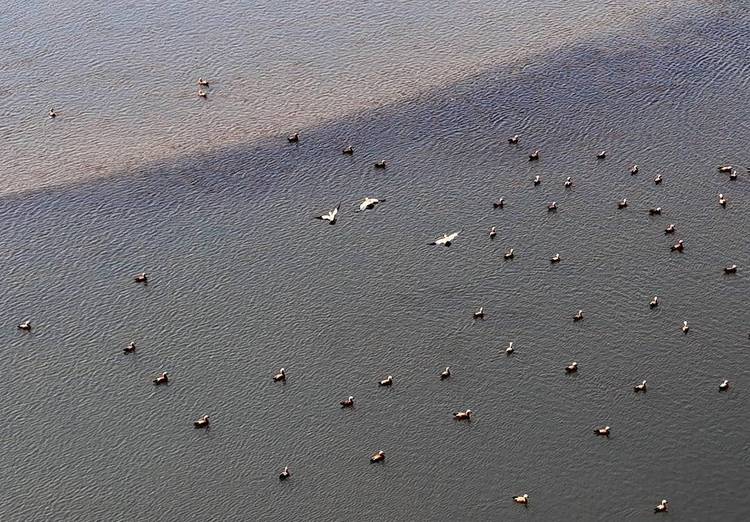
(216, 206)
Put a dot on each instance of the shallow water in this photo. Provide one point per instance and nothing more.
(244, 282)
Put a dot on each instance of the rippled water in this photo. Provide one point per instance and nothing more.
(244, 281)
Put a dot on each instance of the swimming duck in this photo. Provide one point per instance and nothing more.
(604, 432)
(509, 254)
(623, 203)
(348, 402)
(555, 258)
(202, 93)
(330, 216)
(387, 381)
(634, 170)
(493, 233)
(654, 211)
(534, 155)
(730, 269)
(654, 302)
(129, 348)
(568, 182)
(679, 246)
(722, 200)
(348, 150)
(479, 314)
(446, 240)
(52, 113)
(657, 179)
(552, 207)
(537, 180)
(293, 138)
(202, 82)
(725, 168)
(685, 327)
(380, 164)
(161, 379)
(522, 499)
(602, 154)
(662, 507)
(733, 175)
(369, 204)
(724, 385)
(509, 350)
(463, 415)
(670, 229)
(202, 422)
(499, 203)
(578, 316)
(640, 387)
(25, 326)
(378, 457)
(281, 376)
(141, 278)
(285, 474)
(445, 373)
(514, 140)
(572, 367)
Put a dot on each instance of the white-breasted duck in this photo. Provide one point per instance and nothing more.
(732, 269)
(378, 457)
(572, 367)
(161, 379)
(578, 316)
(603, 431)
(388, 381)
(534, 155)
(463, 415)
(202, 422)
(445, 373)
(640, 387)
(281, 376)
(679, 246)
(348, 402)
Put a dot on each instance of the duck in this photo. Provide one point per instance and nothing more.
(555, 258)
(388, 381)
(446, 240)
(285, 473)
(662, 507)
(733, 175)
(725, 168)
(522, 499)
(602, 155)
(348, 402)
(281, 376)
(654, 211)
(493, 233)
(513, 140)
(161, 379)
(202, 93)
(537, 180)
(331, 216)
(654, 302)
(445, 373)
(657, 179)
(202, 82)
(479, 314)
(572, 367)
(348, 150)
(202, 422)
(722, 200)
(500, 203)
(623, 203)
(141, 278)
(293, 138)
(509, 350)
(670, 229)
(380, 164)
(568, 182)
(685, 327)
(634, 170)
(52, 113)
(640, 387)
(129, 348)
(463, 415)
(534, 155)
(679, 246)
(369, 204)
(552, 207)
(604, 432)
(509, 254)
(724, 385)
(378, 457)
(25, 326)
(578, 316)
(730, 269)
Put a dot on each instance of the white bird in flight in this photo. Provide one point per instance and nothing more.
(369, 204)
(446, 240)
(331, 215)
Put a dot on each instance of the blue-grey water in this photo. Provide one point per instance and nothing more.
(208, 197)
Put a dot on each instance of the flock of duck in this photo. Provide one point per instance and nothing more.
(447, 240)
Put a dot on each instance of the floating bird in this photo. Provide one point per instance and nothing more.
(640, 387)
(52, 113)
(509, 350)
(685, 327)
(348, 402)
(463, 415)
(679, 246)
(202, 82)
(634, 170)
(380, 164)
(378, 457)
(446, 240)
(730, 269)
(604, 432)
(725, 168)
(513, 140)
(445, 373)
(654, 211)
(330, 216)
(201, 423)
(141, 278)
(281, 376)
(479, 314)
(369, 204)
(202, 93)
(578, 316)
(657, 179)
(654, 302)
(293, 138)
(493, 233)
(670, 229)
(285, 474)
(555, 258)
(348, 150)
(552, 207)
(499, 203)
(602, 154)
(568, 182)
(662, 507)
(130, 348)
(509, 254)
(534, 155)
(572, 367)
(724, 385)
(161, 379)
(522, 499)
(387, 381)
(537, 180)
(623, 203)
(722, 200)
(25, 326)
